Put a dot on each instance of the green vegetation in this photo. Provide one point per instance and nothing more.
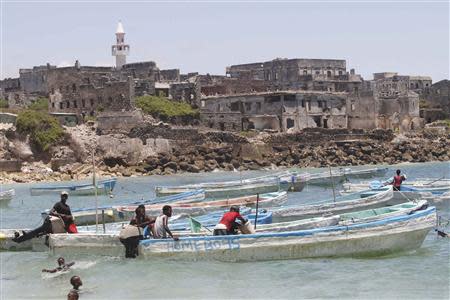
(3, 103)
(44, 130)
(41, 104)
(165, 109)
(248, 134)
(90, 118)
(445, 122)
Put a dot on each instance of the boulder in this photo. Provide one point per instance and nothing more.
(120, 149)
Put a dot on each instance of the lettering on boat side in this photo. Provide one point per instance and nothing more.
(203, 245)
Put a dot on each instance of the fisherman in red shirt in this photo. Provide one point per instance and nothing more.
(227, 224)
(397, 181)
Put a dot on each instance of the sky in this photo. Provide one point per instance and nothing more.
(411, 38)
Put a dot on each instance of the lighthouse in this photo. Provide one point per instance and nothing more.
(120, 49)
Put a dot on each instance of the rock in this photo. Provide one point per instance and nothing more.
(172, 165)
(408, 157)
(120, 149)
(193, 169)
(199, 164)
(183, 166)
(168, 171)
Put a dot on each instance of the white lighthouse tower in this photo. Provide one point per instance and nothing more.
(120, 49)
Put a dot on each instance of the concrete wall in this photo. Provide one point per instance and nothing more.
(8, 118)
(113, 122)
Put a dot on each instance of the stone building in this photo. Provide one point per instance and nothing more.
(328, 75)
(437, 101)
(386, 102)
(30, 85)
(280, 111)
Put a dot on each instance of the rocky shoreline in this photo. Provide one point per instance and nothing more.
(232, 152)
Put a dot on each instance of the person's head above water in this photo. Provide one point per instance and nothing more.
(234, 208)
(64, 196)
(167, 210)
(398, 172)
(75, 281)
(61, 261)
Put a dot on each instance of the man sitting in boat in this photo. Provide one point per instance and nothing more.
(60, 220)
(227, 224)
(131, 234)
(161, 227)
(397, 181)
(62, 266)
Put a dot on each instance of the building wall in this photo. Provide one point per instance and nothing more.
(299, 74)
(277, 111)
(87, 89)
(35, 80)
(438, 96)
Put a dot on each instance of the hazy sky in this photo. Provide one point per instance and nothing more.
(406, 37)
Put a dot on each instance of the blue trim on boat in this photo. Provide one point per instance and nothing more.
(300, 233)
(170, 198)
(107, 182)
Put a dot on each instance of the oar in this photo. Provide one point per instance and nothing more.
(435, 180)
(405, 196)
(257, 208)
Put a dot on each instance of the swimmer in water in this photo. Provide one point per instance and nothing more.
(62, 266)
(75, 281)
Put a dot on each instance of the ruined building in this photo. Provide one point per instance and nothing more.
(280, 94)
(328, 75)
(279, 111)
(301, 93)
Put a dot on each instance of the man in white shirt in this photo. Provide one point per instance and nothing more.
(161, 227)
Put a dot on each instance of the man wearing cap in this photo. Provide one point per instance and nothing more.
(60, 210)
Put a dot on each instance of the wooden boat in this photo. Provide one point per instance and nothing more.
(284, 181)
(431, 189)
(341, 205)
(199, 208)
(7, 195)
(108, 214)
(380, 237)
(341, 174)
(342, 219)
(103, 187)
(264, 224)
(263, 218)
(176, 220)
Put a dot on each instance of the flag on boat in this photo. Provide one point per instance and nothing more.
(196, 226)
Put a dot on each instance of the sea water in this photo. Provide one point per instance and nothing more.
(420, 274)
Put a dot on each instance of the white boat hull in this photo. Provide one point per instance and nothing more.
(368, 239)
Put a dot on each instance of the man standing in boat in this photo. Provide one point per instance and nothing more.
(227, 224)
(398, 180)
(59, 220)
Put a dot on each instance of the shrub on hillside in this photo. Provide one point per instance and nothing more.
(44, 130)
(165, 109)
(41, 104)
(3, 103)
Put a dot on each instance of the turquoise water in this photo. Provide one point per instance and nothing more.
(419, 274)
